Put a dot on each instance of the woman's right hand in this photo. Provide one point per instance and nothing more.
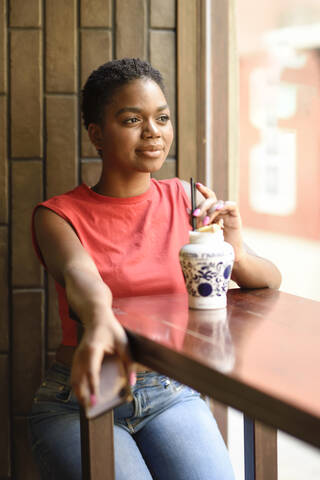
(99, 339)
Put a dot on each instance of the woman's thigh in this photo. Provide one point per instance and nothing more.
(57, 449)
(188, 443)
(54, 427)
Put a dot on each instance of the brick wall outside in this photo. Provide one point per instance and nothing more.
(47, 50)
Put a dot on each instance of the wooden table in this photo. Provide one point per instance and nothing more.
(261, 355)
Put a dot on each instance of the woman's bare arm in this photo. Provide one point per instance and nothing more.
(88, 296)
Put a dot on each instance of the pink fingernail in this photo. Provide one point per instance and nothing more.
(199, 184)
(196, 212)
(133, 378)
(206, 220)
(219, 205)
(93, 400)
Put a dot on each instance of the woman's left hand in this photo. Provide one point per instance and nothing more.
(212, 210)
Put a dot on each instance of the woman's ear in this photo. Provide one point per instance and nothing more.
(95, 135)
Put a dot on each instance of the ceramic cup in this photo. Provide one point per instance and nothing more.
(206, 264)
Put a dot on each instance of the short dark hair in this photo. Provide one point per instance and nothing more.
(105, 80)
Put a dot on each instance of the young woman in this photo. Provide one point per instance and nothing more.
(119, 238)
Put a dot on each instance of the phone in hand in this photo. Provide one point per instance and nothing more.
(114, 387)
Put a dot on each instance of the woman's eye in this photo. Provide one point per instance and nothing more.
(164, 118)
(131, 120)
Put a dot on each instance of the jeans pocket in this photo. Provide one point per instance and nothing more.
(64, 394)
(52, 391)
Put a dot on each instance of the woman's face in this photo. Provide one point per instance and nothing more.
(137, 132)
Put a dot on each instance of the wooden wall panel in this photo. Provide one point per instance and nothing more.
(24, 466)
(26, 193)
(131, 28)
(4, 291)
(3, 161)
(96, 13)
(224, 133)
(5, 463)
(26, 94)
(62, 144)
(163, 14)
(61, 46)
(54, 331)
(27, 348)
(187, 55)
(25, 14)
(3, 46)
(96, 49)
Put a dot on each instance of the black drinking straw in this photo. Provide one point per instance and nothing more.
(193, 203)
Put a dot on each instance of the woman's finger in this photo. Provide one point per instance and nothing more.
(94, 369)
(222, 210)
(208, 210)
(81, 390)
(205, 191)
(123, 349)
(203, 207)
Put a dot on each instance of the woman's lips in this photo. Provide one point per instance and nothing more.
(150, 152)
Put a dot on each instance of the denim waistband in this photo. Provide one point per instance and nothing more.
(63, 372)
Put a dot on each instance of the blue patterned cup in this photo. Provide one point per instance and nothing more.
(206, 264)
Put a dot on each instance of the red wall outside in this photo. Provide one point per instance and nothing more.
(304, 221)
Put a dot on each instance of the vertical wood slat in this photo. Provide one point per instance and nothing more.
(61, 46)
(131, 28)
(23, 462)
(62, 144)
(27, 348)
(3, 46)
(26, 94)
(3, 161)
(220, 96)
(97, 448)
(260, 451)
(162, 13)
(187, 50)
(4, 291)
(26, 193)
(25, 14)
(223, 109)
(96, 13)
(5, 467)
(54, 330)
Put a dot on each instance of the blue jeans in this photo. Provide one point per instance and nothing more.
(166, 433)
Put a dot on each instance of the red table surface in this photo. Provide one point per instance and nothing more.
(265, 339)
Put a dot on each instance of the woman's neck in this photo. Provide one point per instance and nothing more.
(113, 186)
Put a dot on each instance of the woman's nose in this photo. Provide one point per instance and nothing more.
(151, 130)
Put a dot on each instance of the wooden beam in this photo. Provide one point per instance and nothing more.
(260, 451)
(207, 94)
(187, 44)
(97, 448)
(224, 98)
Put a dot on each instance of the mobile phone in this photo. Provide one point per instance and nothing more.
(114, 388)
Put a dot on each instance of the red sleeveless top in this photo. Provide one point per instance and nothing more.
(133, 241)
